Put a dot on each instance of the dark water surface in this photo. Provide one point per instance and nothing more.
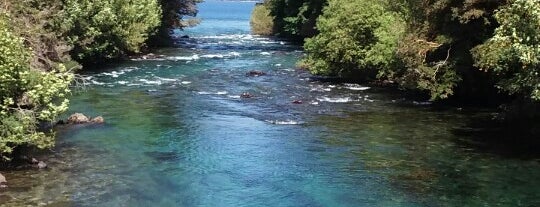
(178, 134)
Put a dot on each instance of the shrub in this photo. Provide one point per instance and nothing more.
(262, 22)
(295, 19)
(174, 12)
(28, 97)
(513, 53)
(107, 29)
(354, 35)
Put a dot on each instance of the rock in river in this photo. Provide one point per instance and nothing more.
(98, 120)
(42, 165)
(255, 73)
(3, 181)
(246, 95)
(78, 118)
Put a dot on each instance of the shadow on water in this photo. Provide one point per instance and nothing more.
(440, 156)
(481, 129)
(519, 139)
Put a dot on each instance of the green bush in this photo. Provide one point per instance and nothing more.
(35, 42)
(513, 53)
(435, 52)
(107, 29)
(174, 13)
(28, 97)
(295, 19)
(262, 22)
(354, 35)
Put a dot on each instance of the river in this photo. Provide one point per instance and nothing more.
(178, 133)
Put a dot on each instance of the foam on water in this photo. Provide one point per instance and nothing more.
(336, 100)
(184, 58)
(234, 96)
(213, 93)
(356, 87)
(167, 79)
(150, 82)
(284, 122)
(97, 83)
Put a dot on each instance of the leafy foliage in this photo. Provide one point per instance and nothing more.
(36, 22)
(109, 28)
(513, 53)
(435, 51)
(174, 12)
(354, 35)
(262, 22)
(420, 44)
(27, 96)
(295, 18)
(35, 63)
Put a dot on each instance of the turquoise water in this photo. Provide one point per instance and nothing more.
(177, 133)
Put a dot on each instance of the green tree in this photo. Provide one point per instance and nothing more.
(261, 21)
(108, 29)
(174, 13)
(435, 51)
(28, 96)
(354, 35)
(295, 19)
(513, 53)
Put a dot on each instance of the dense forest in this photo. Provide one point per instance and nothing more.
(43, 43)
(472, 50)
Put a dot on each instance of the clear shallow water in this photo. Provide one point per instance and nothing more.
(178, 134)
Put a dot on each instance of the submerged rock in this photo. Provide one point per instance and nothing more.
(246, 95)
(98, 120)
(41, 165)
(297, 102)
(2, 179)
(255, 73)
(78, 118)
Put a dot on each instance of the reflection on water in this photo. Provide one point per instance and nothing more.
(178, 133)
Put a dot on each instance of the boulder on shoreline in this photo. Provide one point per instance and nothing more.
(79, 118)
